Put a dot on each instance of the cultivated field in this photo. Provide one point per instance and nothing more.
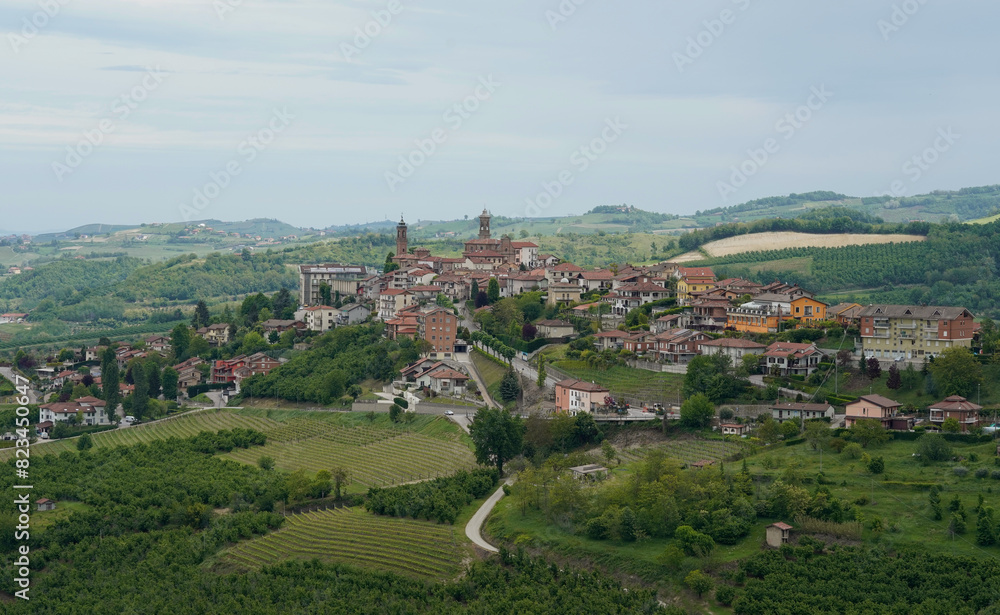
(778, 240)
(635, 385)
(184, 426)
(357, 537)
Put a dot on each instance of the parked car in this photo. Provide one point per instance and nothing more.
(130, 419)
(449, 412)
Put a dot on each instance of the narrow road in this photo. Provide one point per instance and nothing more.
(8, 373)
(473, 529)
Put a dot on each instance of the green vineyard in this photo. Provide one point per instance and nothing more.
(374, 456)
(354, 536)
(184, 426)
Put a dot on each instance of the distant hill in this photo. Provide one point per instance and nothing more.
(86, 229)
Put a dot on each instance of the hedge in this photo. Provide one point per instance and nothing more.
(197, 389)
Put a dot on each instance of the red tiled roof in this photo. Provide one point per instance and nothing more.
(581, 385)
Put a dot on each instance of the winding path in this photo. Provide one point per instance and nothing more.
(473, 529)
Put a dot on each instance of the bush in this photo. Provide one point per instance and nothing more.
(995, 474)
(439, 499)
(876, 465)
(982, 473)
(853, 451)
(933, 447)
(960, 471)
(725, 594)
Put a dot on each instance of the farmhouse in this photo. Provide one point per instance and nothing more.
(801, 412)
(85, 410)
(734, 429)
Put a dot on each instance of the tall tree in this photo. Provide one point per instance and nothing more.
(493, 291)
(153, 379)
(895, 380)
(180, 341)
(697, 412)
(390, 265)
(140, 395)
(325, 295)
(283, 305)
(169, 384)
(541, 372)
(510, 386)
(497, 435)
(874, 368)
(200, 318)
(474, 290)
(109, 383)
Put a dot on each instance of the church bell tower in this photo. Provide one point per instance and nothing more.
(401, 241)
(484, 224)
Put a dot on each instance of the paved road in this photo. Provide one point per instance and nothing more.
(8, 373)
(473, 529)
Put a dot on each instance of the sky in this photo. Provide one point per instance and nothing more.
(338, 112)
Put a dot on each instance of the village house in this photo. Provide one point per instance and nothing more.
(911, 331)
(846, 314)
(438, 326)
(958, 408)
(600, 279)
(610, 340)
(392, 301)
(188, 374)
(353, 313)
(319, 318)
(216, 335)
(693, 279)
(631, 296)
(801, 412)
(563, 293)
(159, 343)
(575, 396)
(640, 342)
(447, 382)
(12, 317)
(552, 329)
(280, 326)
(345, 280)
(678, 345)
(790, 359)
(85, 410)
(875, 407)
(733, 347)
(808, 310)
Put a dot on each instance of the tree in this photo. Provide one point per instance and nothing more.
(474, 289)
(895, 380)
(180, 341)
(265, 463)
(395, 412)
(951, 425)
(541, 372)
(956, 372)
(876, 465)
(697, 412)
(874, 368)
(153, 379)
(817, 434)
(933, 447)
(390, 265)
(869, 431)
(325, 296)
(986, 533)
(768, 430)
(528, 331)
(497, 435)
(140, 394)
(481, 299)
(789, 429)
(609, 452)
(169, 384)
(699, 582)
(340, 476)
(109, 382)
(510, 386)
(844, 358)
(493, 291)
(627, 527)
(84, 442)
(201, 317)
(693, 542)
(283, 304)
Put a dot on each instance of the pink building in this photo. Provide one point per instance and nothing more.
(574, 396)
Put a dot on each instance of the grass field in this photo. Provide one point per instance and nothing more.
(687, 451)
(907, 507)
(354, 536)
(635, 385)
(490, 371)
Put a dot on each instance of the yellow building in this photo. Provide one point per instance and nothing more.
(753, 319)
(693, 280)
(808, 311)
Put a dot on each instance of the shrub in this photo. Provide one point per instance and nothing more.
(982, 473)
(933, 447)
(876, 465)
(960, 471)
(995, 474)
(725, 594)
(853, 451)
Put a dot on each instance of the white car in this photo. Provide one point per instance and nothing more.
(129, 419)
(449, 413)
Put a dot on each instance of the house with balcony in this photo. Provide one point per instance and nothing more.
(733, 347)
(678, 345)
(789, 359)
(912, 332)
(693, 279)
(631, 296)
(958, 408)
(807, 310)
(876, 407)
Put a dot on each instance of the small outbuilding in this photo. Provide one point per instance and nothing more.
(734, 429)
(45, 504)
(778, 534)
(590, 472)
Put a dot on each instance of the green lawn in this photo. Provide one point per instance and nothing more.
(636, 385)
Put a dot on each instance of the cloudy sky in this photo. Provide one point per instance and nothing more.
(316, 111)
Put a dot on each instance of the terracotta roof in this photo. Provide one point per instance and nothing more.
(449, 374)
(920, 312)
(732, 342)
(956, 402)
(581, 385)
(554, 323)
(882, 402)
(696, 272)
(782, 526)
